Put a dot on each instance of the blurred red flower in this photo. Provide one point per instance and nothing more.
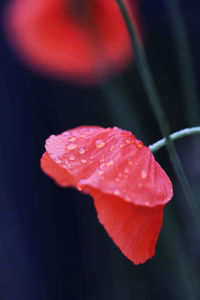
(129, 187)
(80, 39)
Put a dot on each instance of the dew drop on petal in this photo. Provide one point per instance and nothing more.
(126, 170)
(102, 166)
(100, 172)
(71, 157)
(80, 184)
(100, 144)
(72, 139)
(128, 141)
(130, 162)
(71, 147)
(121, 146)
(116, 192)
(117, 179)
(139, 144)
(143, 174)
(127, 198)
(112, 148)
(81, 150)
(110, 163)
(84, 161)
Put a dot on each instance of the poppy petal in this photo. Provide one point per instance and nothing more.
(112, 161)
(129, 187)
(52, 169)
(134, 229)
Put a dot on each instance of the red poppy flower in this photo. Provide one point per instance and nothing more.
(81, 39)
(129, 187)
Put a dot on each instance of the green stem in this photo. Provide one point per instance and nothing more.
(155, 102)
(185, 61)
(175, 136)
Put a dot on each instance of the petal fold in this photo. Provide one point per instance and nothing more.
(134, 229)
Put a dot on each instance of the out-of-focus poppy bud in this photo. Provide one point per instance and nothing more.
(82, 40)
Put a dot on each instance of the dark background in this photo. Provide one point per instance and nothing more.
(51, 244)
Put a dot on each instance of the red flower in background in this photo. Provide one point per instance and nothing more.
(129, 187)
(79, 39)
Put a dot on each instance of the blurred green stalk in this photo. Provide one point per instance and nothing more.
(155, 102)
(181, 42)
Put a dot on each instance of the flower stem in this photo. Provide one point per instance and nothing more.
(181, 42)
(175, 136)
(155, 102)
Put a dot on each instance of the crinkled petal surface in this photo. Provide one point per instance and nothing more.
(49, 37)
(128, 186)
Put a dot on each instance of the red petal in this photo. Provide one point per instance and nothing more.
(112, 161)
(134, 229)
(60, 175)
(49, 38)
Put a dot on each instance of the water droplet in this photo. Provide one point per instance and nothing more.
(128, 141)
(84, 161)
(143, 174)
(71, 147)
(82, 135)
(168, 198)
(139, 144)
(117, 179)
(112, 148)
(127, 198)
(130, 162)
(126, 170)
(116, 192)
(110, 163)
(72, 139)
(121, 146)
(80, 184)
(100, 172)
(81, 150)
(102, 166)
(71, 157)
(100, 144)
